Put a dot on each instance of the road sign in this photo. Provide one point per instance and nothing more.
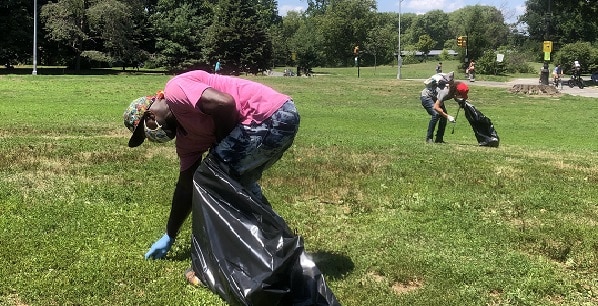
(547, 46)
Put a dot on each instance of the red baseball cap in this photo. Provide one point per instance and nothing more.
(463, 89)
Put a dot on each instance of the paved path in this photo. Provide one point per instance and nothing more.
(588, 91)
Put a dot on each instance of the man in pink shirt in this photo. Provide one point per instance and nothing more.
(244, 124)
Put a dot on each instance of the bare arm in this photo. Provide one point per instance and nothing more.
(438, 109)
(222, 107)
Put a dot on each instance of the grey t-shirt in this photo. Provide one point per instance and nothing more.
(436, 83)
(444, 94)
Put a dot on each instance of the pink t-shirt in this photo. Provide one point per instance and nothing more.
(255, 103)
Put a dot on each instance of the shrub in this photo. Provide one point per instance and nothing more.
(579, 51)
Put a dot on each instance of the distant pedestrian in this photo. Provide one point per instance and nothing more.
(439, 67)
(471, 71)
(217, 67)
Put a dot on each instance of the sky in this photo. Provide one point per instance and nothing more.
(510, 8)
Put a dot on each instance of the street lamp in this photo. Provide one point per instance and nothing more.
(399, 59)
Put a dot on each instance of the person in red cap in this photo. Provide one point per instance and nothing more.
(440, 88)
(454, 90)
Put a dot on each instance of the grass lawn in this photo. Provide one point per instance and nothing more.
(389, 219)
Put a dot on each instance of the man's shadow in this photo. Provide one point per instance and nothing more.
(332, 265)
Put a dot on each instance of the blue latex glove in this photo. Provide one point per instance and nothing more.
(160, 247)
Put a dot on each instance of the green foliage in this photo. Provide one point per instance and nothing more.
(410, 58)
(180, 33)
(444, 55)
(425, 44)
(17, 29)
(239, 36)
(585, 53)
(249, 35)
(484, 27)
(388, 219)
(65, 23)
(487, 64)
(513, 62)
(344, 24)
(561, 21)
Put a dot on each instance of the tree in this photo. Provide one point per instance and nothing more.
(344, 25)
(583, 52)
(435, 25)
(113, 23)
(180, 31)
(484, 27)
(240, 35)
(66, 23)
(16, 28)
(305, 44)
(382, 40)
(561, 21)
(317, 7)
(425, 44)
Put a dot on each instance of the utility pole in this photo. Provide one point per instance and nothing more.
(34, 72)
(399, 59)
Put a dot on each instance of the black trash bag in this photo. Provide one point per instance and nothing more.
(245, 252)
(482, 126)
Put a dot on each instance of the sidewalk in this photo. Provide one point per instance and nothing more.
(588, 91)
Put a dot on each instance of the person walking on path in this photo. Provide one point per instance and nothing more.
(217, 67)
(471, 71)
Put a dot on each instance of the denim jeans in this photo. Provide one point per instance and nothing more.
(250, 149)
(428, 104)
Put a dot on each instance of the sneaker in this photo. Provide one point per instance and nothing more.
(192, 279)
(440, 141)
(429, 140)
(492, 142)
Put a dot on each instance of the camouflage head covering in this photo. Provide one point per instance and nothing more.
(134, 116)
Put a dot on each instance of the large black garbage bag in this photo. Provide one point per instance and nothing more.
(244, 251)
(482, 126)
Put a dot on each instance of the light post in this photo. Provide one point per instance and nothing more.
(34, 72)
(399, 59)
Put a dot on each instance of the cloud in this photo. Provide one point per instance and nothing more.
(282, 10)
(520, 10)
(421, 7)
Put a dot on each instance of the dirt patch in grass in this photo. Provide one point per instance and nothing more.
(402, 288)
(398, 287)
(535, 90)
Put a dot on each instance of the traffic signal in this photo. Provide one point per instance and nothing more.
(462, 41)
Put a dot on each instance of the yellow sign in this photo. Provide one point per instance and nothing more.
(547, 56)
(547, 46)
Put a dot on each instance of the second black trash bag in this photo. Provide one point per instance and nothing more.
(245, 252)
(482, 126)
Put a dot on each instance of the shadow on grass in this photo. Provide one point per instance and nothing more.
(67, 71)
(332, 265)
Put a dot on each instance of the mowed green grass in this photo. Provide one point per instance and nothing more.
(388, 219)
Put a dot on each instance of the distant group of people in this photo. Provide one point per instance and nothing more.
(558, 72)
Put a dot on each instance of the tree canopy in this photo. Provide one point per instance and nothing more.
(249, 36)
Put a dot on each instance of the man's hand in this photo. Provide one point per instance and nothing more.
(450, 118)
(160, 248)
